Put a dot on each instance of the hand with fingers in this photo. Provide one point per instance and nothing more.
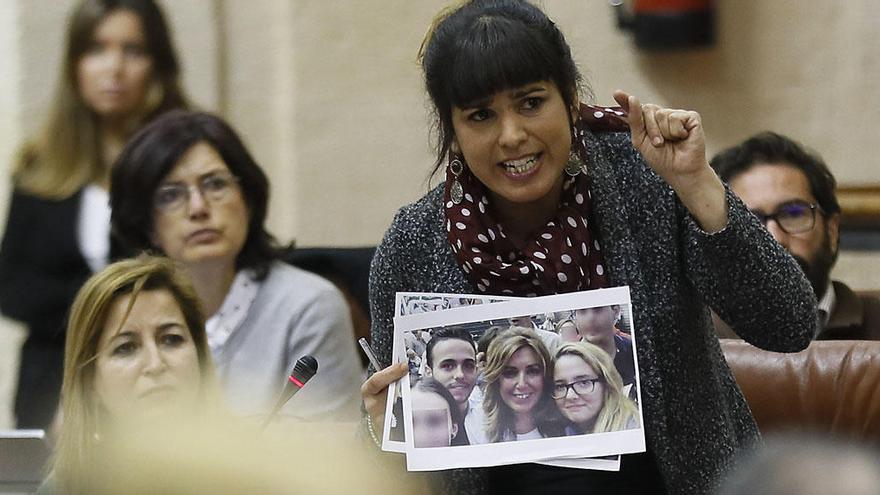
(673, 143)
(374, 393)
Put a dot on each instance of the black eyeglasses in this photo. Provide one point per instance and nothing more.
(171, 197)
(580, 387)
(793, 217)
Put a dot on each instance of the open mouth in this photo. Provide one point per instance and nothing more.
(521, 166)
(522, 396)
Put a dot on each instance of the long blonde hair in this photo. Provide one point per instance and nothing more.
(618, 410)
(66, 154)
(87, 321)
(499, 417)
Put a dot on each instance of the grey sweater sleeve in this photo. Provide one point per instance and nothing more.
(751, 282)
(385, 280)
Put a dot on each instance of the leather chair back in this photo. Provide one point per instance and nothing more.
(831, 387)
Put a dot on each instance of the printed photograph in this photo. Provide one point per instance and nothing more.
(558, 373)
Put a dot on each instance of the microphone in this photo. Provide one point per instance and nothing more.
(303, 371)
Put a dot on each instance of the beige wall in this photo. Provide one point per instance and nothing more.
(328, 95)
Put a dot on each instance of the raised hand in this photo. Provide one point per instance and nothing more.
(673, 143)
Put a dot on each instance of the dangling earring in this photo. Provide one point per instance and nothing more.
(456, 167)
(456, 192)
(573, 167)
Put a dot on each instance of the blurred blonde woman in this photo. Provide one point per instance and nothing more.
(588, 391)
(136, 353)
(119, 70)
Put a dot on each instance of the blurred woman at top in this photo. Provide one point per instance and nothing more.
(187, 187)
(119, 71)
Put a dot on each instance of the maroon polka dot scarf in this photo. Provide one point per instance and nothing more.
(563, 256)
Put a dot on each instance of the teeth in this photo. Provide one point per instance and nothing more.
(521, 166)
(522, 396)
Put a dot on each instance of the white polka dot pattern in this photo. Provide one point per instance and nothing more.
(562, 257)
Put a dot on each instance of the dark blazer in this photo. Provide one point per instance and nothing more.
(696, 419)
(41, 269)
(41, 266)
(855, 317)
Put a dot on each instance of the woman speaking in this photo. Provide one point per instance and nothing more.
(539, 200)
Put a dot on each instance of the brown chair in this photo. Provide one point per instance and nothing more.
(831, 387)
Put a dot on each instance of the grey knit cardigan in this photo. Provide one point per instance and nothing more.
(695, 416)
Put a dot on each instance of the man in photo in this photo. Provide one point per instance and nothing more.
(791, 191)
(597, 326)
(451, 358)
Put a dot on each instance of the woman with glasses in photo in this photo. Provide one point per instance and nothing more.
(589, 392)
(187, 187)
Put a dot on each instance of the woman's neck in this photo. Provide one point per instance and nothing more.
(587, 427)
(523, 423)
(521, 220)
(113, 138)
(212, 281)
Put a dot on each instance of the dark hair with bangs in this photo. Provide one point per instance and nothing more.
(486, 46)
(775, 149)
(154, 152)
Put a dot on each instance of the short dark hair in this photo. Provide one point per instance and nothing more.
(447, 334)
(486, 46)
(153, 153)
(488, 335)
(775, 149)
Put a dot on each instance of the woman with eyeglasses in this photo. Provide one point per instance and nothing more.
(187, 187)
(588, 391)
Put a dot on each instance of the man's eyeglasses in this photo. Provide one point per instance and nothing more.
(580, 387)
(172, 197)
(793, 217)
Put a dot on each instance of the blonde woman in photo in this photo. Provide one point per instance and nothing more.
(516, 400)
